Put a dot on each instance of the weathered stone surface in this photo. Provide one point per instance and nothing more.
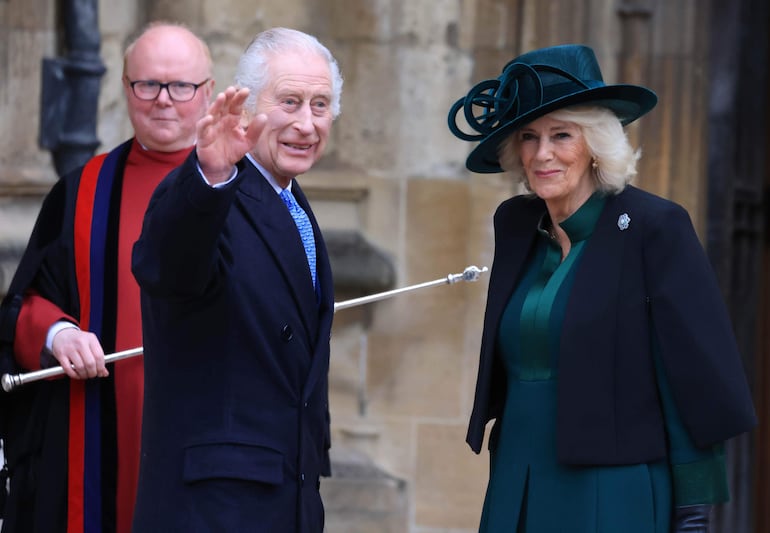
(450, 480)
(360, 497)
(358, 266)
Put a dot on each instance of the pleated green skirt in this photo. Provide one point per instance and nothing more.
(529, 492)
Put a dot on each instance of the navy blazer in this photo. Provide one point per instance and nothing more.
(236, 353)
(650, 280)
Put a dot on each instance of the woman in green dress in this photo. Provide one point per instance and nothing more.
(608, 360)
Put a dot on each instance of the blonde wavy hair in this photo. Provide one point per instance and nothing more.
(605, 138)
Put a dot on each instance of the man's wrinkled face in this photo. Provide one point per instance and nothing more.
(297, 102)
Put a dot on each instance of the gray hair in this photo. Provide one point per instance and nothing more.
(606, 140)
(252, 71)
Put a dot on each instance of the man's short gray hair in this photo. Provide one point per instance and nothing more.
(252, 71)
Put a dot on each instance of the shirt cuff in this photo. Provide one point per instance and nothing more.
(217, 185)
(703, 481)
(56, 328)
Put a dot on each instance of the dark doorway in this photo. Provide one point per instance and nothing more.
(736, 232)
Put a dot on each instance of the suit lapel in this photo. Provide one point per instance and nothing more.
(515, 221)
(592, 308)
(325, 303)
(599, 269)
(267, 213)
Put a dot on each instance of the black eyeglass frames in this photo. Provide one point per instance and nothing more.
(178, 91)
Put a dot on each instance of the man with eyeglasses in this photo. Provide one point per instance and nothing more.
(74, 298)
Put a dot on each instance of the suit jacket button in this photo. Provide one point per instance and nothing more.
(287, 333)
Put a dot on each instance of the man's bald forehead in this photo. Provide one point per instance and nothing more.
(161, 31)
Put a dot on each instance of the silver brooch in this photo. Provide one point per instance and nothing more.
(623, 221)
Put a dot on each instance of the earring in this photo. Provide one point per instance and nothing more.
(595, 164)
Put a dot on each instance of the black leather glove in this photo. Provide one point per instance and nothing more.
(691, 519)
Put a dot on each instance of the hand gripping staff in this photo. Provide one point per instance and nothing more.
(11, 381)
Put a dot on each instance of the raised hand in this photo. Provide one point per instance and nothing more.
(223, 136)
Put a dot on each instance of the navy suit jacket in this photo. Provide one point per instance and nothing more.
(236, 352)
(649, 281)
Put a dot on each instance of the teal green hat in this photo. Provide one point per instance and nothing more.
(533, 85)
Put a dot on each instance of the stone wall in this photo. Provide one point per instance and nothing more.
(403, 369)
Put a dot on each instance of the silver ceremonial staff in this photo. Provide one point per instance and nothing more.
(471, 273)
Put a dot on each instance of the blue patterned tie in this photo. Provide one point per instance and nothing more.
(305, 228)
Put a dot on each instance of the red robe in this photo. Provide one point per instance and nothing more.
(143, 170)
